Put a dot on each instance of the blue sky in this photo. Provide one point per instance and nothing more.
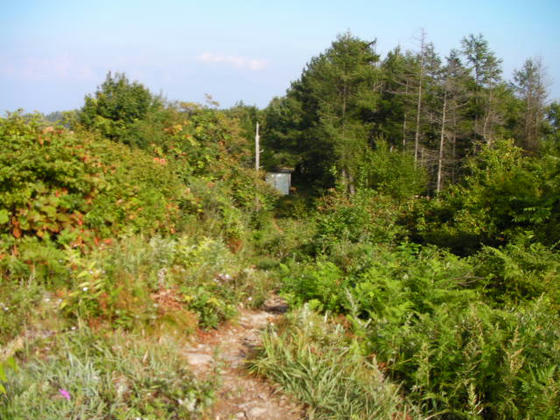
(53, 53)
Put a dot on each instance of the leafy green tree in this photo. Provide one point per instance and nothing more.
(394, 173)
(397, 107)
(283, 129)
(116, 106)
(551, 127)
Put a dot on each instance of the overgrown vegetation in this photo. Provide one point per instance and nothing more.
(315, 360)
(419, 254)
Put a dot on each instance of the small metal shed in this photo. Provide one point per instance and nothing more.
(281, 179)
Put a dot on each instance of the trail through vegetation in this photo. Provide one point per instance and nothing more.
(228, 350)
(417, 256)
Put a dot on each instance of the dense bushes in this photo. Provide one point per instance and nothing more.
(76, 190)
(424, 315)
(504, 195)
(152, 221)
(467, 337)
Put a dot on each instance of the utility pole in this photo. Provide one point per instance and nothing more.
(257, 164)
(257, 149)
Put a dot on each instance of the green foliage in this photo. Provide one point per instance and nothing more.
(392, 172)
(475, 361)
(387, 284)
(177, 283)
(171, 230)
(366, 217)
(312, 358)
(18, 304)
(436, 322)
(119, 376)
(5, 365)
(522, 270)
(332, 96)
(320, 284)
(281, 240)
(283, 127)
(75, 190)
(116, 107)
(504, 195)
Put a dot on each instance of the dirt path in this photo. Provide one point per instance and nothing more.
(241, 396)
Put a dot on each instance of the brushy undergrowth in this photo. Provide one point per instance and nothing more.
(314, 359)
(179, 283)
(114, 248)
(456, 351)
(80, 374)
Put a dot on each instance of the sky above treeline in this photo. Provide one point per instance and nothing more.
(53, 53)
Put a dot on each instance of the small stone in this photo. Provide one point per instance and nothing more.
(197, 359)
(256, 412)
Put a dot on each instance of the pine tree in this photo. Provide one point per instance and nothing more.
(531, 88)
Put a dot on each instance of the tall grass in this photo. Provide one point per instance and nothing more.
(82, 375)
(312, 358)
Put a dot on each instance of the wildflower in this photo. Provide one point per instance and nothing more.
(85, 289)
(64, 393)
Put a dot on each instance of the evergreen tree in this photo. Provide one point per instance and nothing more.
(486, 72)
(531, 88)
(337, 94)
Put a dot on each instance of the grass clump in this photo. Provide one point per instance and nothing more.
(80, 374)
(312, 358)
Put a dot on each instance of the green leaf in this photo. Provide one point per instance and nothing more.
(4, 217)
(3, 376)
(11, 362)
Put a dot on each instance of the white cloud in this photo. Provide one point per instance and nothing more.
(253, 64)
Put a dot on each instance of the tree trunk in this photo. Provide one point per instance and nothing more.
(404, 118)
(419, 102)
(454, 147)
(441, 144)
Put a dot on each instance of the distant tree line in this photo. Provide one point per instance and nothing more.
(438, 110)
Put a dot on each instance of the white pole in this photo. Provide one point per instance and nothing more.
(257, 151)
(257, 163)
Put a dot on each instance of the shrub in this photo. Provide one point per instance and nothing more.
(366, 217)
(521, 270)
(504, 194)
(76, 190)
